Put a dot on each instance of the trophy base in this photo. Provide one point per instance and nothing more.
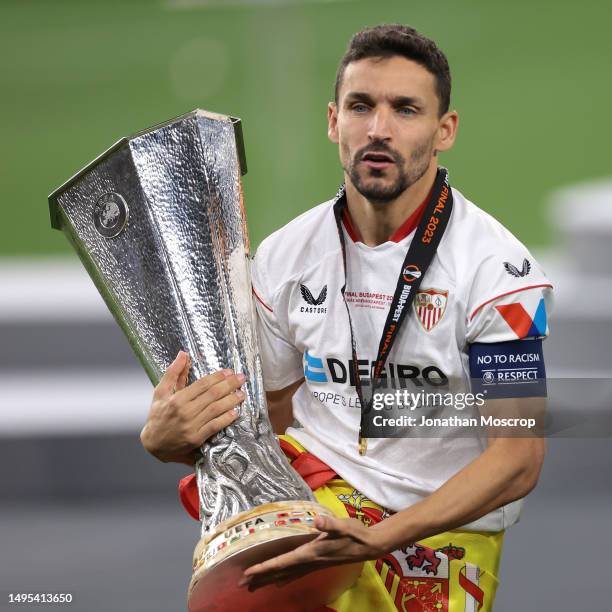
(254, 536)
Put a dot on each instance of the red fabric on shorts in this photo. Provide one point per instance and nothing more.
(310, 468)
(188, 496)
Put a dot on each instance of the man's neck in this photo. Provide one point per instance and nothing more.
(375, 224)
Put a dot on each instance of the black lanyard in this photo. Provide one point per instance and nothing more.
(420, 254)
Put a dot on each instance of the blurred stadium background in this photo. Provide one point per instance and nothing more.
(83, 509)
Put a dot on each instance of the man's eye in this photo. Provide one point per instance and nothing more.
(406, 110)
(359, 108)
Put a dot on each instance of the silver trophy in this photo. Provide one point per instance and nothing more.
(158, 221)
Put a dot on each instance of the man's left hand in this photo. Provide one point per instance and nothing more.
(340, 541)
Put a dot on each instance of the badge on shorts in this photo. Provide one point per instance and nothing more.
(429, 306)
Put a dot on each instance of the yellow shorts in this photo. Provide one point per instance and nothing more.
(455, 571)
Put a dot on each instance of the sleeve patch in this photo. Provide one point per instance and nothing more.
(497, 297)
(508, 369)
(522, 323)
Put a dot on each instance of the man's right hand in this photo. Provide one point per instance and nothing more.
(183, 416)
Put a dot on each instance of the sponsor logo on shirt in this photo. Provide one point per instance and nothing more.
(314, 304)
(430, 306)
(514, 271)
(333, 370)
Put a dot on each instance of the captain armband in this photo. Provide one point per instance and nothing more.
(508, 369)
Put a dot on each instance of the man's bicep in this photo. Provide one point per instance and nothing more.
(280, 407)
(514, 417)
(516, 430)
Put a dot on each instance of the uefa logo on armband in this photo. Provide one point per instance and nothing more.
(488, 377)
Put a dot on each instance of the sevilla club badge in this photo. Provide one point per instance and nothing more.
(429, 305)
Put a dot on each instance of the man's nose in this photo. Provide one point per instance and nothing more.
(380, 128)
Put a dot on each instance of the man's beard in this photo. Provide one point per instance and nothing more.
(377, 192)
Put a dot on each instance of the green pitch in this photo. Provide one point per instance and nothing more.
(530, 83)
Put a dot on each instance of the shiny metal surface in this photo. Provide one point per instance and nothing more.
(175, 274)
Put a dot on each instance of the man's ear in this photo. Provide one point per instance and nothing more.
(447, 131)
(332, 122)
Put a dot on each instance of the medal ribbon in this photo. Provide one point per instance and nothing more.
(422, 249)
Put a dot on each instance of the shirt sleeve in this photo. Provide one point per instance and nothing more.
(508, 310)
(511, 299)
(281, 361)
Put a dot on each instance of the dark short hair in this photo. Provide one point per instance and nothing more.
(395, 39)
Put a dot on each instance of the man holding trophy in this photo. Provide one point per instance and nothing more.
(398, 280)
(421, 498)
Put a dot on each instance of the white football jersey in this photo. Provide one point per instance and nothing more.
(482, 286)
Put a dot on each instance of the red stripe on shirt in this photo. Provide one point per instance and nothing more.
(260, 300)
(507, 293)
(348, 226)
(407, 227)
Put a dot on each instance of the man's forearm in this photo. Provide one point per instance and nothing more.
(504, 472)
